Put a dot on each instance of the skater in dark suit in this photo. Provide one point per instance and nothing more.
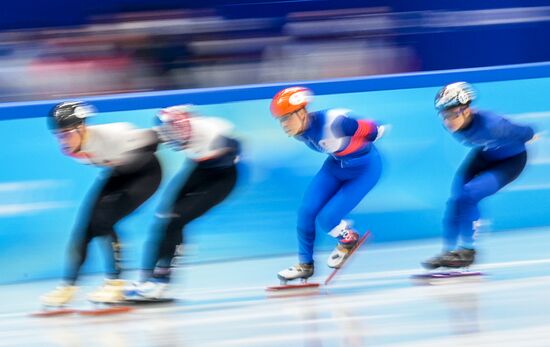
(498, 157)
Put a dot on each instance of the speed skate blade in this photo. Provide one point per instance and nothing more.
(146, 301)
(447, 277)
(105, 311)
(447, 274)
(287, 287)
(54, 312)
(355, 248)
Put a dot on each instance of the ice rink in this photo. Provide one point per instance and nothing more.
(373, 302)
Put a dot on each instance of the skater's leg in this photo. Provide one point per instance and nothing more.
(127, 193)
(479, 179)
(113, 255)
(353, 190)
(485, 184)
(76, 255)
(320, 190)
(120, 196)
(204, 189)
(470, 168)
(83, 234)
(330, 219)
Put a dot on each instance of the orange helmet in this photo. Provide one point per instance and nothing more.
(290, 100)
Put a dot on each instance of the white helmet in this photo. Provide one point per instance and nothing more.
(454, 94)
(174, 124)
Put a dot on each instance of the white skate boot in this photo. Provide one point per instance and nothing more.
(302, 271)
(59, 296)
(343, 250)
(148, 290)
(112, 291)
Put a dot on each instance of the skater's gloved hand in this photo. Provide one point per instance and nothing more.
(382, 129)
(536, 137)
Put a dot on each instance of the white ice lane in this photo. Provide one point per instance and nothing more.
(507, 307)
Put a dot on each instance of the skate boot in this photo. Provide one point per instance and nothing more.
(151, 290)
(435, 262)
(302, 271)
(59, 296)
(453, 259)
(462, 257)
(343, 250)
(112, 291)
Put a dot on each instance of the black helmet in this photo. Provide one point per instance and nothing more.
(69, 114)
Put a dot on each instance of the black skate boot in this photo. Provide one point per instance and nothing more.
(435, 262)
(462, 257)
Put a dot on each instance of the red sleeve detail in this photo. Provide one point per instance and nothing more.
(364, 129)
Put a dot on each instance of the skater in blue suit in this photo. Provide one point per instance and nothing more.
(352, 169)
(498, 157)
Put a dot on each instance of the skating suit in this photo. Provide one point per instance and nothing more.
(351, 170)
(119, 146)
(131, 176)
(209, 142)
(498, 157)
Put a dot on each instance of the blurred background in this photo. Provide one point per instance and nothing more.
(385, 60)
(351, 53)
(58, 49)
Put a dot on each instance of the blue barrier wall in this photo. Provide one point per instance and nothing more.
(41, 190)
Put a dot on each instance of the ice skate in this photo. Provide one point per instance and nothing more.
(343, 250)
(459, 258)
(301, 271)
(435, 262)
(55, 302)
(59, 297)
(152, 290)
(112, 291)
(147, 292)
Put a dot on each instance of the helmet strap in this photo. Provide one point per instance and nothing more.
(81, 130)
(304, 122)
